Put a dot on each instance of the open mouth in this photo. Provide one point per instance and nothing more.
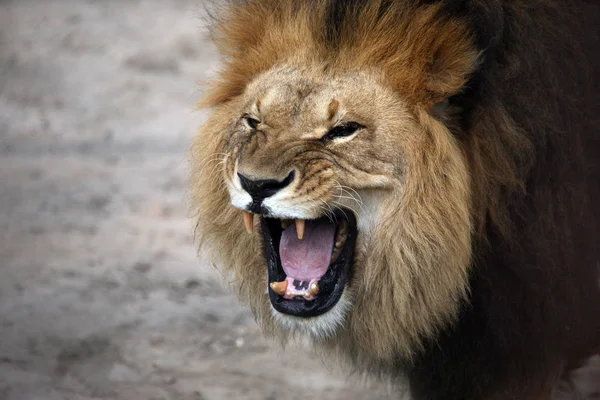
(309, 261)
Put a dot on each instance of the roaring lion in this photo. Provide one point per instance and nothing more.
(412, 185)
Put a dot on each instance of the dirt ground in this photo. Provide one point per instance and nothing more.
(101, 293)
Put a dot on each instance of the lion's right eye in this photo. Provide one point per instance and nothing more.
(250, 122)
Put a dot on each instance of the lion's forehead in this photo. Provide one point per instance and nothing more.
(294, 102)
(288, 94)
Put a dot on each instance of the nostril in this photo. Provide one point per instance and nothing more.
(263, 188)
(288, 180)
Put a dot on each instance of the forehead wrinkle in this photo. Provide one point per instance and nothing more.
(283, 104)
(332, 109)
(323, 107)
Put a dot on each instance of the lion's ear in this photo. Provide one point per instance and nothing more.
(443, 59)
(468, 33)
(426, 58)
(447, 68)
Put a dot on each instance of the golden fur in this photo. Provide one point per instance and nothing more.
(420, 193)
(418, 178)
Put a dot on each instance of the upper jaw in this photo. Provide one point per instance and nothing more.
(273, 207)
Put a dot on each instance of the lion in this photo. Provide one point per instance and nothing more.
(410, 185)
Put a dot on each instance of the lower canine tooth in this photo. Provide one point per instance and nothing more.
(248, 221)
(279, 287)
(314, 289)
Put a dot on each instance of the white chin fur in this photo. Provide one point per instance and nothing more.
(315, 328)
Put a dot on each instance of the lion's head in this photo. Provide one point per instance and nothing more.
(336, 150)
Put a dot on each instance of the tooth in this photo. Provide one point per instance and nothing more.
(248, 221)
(335, 254)
(314, 289)
(279, 287)
(300, 228)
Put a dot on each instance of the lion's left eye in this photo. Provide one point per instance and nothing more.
(250, 122)
(343, 130)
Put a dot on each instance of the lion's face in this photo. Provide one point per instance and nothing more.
(307, 156)
(356, 203)
(316, 139)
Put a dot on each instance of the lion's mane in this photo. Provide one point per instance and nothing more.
(518, 85)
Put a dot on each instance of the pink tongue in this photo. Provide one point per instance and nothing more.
(308, 258)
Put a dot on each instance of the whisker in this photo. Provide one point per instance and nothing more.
(349, 197)
(214, 170)
(207, 163)
(348, 190)
(340, 205)
(328, 210)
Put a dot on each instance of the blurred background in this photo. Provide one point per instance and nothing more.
(101, 293)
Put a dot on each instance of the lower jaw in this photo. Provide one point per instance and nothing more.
(324, 326)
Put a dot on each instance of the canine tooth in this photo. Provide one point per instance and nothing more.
(279, 287)
(314, 289)
(248, 221)
(300, 228)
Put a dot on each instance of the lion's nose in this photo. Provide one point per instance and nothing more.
(263, 188)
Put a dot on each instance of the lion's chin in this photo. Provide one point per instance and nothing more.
(307, 277)
(315, 328)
